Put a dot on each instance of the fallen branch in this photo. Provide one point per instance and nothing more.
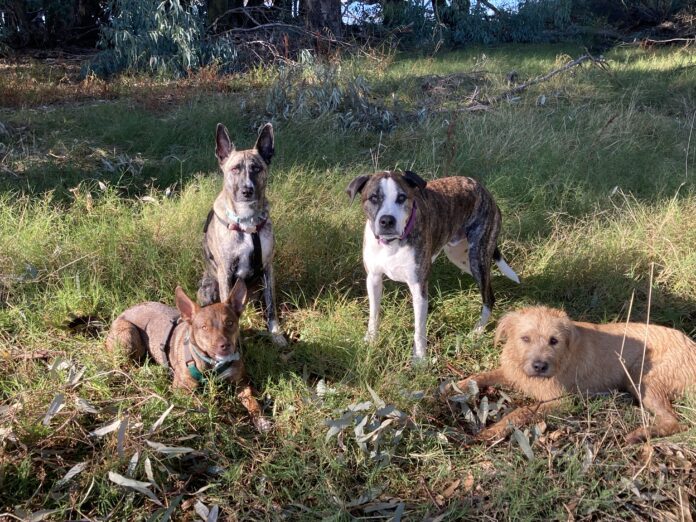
(539, 79)
(649, 41)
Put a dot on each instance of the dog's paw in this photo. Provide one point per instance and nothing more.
(370, 337)
(637, 436)
(263, 424)
(279, 340)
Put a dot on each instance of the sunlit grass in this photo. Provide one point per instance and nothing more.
(103, 205)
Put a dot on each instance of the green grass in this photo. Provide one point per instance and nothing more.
(596, 186)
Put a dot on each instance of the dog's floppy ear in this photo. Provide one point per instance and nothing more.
(185, 305)
(414, 180)
(223, 146)
(502, 332)
(237, 297)
(356, 186)
(265, 143)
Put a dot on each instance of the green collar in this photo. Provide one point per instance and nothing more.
(215, 367)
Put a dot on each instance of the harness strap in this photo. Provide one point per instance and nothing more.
(257, 255)
(167, 342)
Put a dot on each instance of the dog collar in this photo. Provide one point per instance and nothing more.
(410, 224)
(248, 225)
(218, 368)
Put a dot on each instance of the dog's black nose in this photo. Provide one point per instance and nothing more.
(540, 366)
(387, 221)
(247, 192)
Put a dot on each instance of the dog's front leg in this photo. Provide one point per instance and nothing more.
(517, 418)
(483, 380)
(270, 307)
(374, 294)
(419, 294)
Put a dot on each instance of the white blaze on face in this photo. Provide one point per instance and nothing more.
(390, 192)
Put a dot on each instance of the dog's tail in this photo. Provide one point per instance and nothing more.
(504, 267)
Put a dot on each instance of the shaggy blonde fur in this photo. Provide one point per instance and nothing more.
(547, 356)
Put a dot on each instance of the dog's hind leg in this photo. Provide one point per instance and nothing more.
(480, 263)
(124, 335)
(665, 423)
(208, 290)
(270, 309)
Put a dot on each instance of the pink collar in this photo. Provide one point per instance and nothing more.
(409, 226)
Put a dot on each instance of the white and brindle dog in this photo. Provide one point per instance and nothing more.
(410, 221)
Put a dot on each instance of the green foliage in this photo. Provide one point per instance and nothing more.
(311, 89)
(161, 37)
(530, 22)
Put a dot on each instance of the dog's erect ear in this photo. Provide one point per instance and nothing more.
(237, 297)
(356, 186)
(265, 143)
(414, 180)
(185, 305)
(502, 332)
(223, 146)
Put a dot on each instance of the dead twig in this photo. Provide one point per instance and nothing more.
(600, 61)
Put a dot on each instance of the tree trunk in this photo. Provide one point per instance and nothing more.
(324, 14)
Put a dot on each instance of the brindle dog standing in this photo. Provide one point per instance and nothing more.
(238, 236)
(409, 222)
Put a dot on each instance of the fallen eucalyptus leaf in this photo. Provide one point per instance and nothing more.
(133, 464)
(121, 438)
(54, 408)
(85, 406)
(140, 487)
(161, 419)
(376, 399)
(338, 425)
(523, 441)
(112, 426)
(169, 450)
(72, 472)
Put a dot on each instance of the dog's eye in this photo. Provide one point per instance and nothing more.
(374, 198)
(553, 341)
(400, 198)
(525, 338)
(204, 327)
(255, 169)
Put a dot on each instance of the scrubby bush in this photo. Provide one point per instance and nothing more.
(311, 89)
(161, 37)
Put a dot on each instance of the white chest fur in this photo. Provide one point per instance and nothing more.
(398, 263)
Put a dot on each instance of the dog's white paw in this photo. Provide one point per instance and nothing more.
(263, 424)
(418, 357)
(279, 340)
(370, 337)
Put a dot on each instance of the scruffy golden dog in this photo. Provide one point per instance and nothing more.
(547, 356)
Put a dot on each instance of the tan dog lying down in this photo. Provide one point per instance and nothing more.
(547, 356)
(193, 341)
